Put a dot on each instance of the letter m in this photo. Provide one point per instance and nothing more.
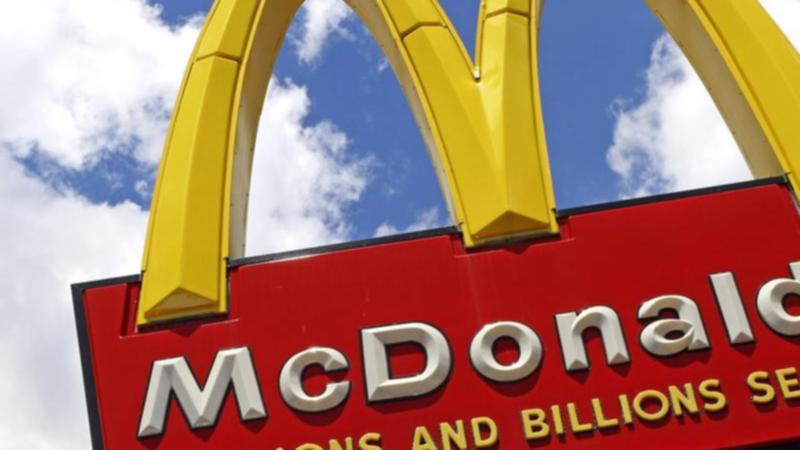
(201, 407)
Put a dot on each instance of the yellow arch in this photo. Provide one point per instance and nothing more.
(481, 121)
(752, 72)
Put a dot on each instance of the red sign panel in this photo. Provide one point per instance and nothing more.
(670, 322)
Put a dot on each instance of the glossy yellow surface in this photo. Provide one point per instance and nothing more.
(196, 168)
(481, 121)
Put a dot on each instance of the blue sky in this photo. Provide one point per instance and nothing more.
(592, 55)
(594, 61)
(88, 91)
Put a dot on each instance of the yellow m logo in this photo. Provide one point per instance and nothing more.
(481, 121)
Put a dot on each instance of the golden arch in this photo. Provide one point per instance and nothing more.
(481, 121)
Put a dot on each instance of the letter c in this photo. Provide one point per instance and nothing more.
(291, 380)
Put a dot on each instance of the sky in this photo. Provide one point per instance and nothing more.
(88, 87)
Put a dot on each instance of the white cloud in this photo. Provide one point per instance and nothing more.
(425, 220)
(99, 75)
(80, 78)
(675, 138)
(383, 65)
(49, 241)
(319, 20)
(303, 179)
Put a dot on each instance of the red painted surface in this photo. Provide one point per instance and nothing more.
(618, 258)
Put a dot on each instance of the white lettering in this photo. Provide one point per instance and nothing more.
(656, 335)
(380, 385)
(570, 333)
(482, 351)
(201, 406)
(291, 380)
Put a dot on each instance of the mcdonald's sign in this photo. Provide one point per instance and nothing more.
(668, 322)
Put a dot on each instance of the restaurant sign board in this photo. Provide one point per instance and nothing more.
(683, 330)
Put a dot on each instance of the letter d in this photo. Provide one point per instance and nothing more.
(381, 385)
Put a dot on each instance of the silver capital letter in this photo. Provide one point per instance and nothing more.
(380, 385)
(201, 406)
